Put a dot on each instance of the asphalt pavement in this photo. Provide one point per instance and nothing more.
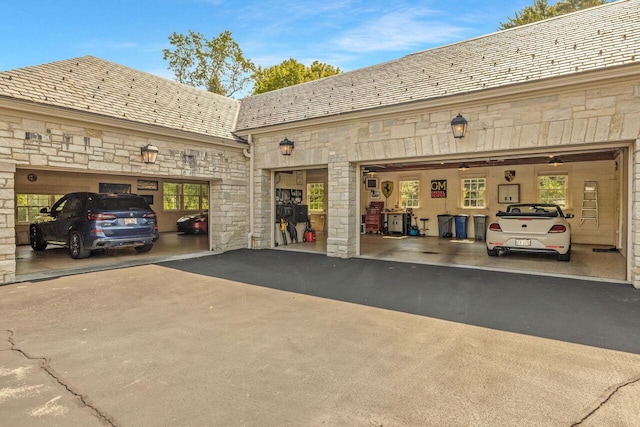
(276, 338)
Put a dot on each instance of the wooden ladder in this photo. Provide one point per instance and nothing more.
(590, 202)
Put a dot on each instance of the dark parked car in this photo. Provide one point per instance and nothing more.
(194, 223)
(84, 222)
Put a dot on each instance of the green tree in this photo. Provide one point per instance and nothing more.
(217, 65)
(541, 10)
(288, 73)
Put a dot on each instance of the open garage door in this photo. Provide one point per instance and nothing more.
(438, 211)
(169, 198)
(300, 210)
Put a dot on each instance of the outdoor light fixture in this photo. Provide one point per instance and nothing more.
(463, 167)
(459, 126)
(149, 153)
(555, 161)
(286, 147)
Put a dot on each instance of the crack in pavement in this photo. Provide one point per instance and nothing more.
(44, 364)
(608, 398)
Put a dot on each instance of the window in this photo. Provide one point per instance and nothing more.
(185, 196)
(28, 205)
(409, 193)
(473, 192)
(315, 196)
(553, 189)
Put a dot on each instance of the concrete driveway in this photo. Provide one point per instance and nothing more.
(274, 338)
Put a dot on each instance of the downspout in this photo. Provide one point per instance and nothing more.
(248, 153)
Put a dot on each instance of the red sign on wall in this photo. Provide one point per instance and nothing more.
(439, 189)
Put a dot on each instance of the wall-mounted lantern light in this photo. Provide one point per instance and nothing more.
(459, 126)
(286, 147)
(463, 167)
(149, 153)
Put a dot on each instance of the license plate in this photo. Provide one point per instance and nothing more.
(129, 221)
(523, 242)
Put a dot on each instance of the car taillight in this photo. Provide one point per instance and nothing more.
(494, 226)
(100, 217)
(558, 228)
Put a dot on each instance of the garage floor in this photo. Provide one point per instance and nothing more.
(31, 265)
(609, 266)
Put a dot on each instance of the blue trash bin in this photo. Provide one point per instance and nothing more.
(461, 226)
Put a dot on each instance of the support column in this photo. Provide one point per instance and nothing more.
(7, 223)
(342, 227)
(228, 215)
(634, 202)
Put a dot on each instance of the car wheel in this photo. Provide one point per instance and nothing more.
(35, 239)
(565, 257)
(492, 252)
(144, 248)
(77, 250)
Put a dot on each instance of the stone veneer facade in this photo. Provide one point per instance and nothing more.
(81, 145)
(567, 114)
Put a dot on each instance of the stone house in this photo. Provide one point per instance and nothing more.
(567, 88)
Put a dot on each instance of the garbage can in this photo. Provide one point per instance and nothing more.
(480, 226)
(461, 226)
(444, 225)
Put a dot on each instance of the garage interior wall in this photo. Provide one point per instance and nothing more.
(605, 173)
(60, 183)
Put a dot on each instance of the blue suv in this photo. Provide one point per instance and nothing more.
(84, 222)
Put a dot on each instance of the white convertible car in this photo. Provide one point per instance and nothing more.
(531, 227)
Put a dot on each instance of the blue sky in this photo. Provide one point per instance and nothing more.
(347, 34)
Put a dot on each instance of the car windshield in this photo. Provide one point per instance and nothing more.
(122, 203)
(539, 210)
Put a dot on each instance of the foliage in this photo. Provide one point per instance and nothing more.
(541, 10)
(218, 65)
(288, 73)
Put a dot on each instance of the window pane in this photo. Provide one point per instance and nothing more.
(473, 192)
(28, 206)
(553, 189)
(315, 194)
(171, 196)
(409, 193)
(204, 193)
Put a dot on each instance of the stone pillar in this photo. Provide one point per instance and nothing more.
(229, 214)
(342, 227)
(634, 246)
(7, 224)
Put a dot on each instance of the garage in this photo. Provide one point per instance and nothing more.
(170, 198)
(425, 217)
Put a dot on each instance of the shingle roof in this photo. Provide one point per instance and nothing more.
(100, 87)
(590, 39)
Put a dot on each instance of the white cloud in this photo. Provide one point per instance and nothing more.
(400, 30)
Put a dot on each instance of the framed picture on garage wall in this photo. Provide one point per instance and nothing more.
(105, 187)
(147, 185)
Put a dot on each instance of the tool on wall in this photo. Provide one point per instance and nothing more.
(283, 229)
(293, 232)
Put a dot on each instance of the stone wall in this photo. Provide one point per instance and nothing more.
(606, 114)
(43, 142)
(7, 223)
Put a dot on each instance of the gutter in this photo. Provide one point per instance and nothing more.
(248, 153)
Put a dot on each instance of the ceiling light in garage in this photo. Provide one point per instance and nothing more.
(555, 161)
